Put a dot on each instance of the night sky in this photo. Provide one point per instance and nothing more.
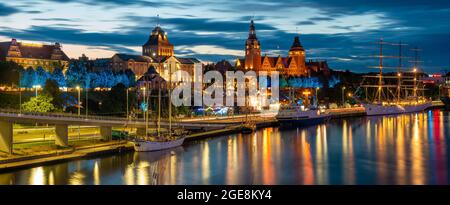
(341, 32)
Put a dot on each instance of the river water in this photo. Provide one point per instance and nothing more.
(403, 149)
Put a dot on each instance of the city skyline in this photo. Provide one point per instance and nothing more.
(340, 33)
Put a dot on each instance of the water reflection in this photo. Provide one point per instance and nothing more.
(406, 149)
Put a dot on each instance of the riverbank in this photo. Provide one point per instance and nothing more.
(18, 162)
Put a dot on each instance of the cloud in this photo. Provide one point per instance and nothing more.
(340, 31)
(303, 23)
(6, 10)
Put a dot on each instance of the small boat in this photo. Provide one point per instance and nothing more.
(297, 117)
(150, 145)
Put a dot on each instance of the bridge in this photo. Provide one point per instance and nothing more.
(61, 121)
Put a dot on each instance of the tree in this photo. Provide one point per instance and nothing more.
(58, 76)
(131, 77)
(9, 72)
(115, 102)
(41, 76)
(283, 83)
(51, 89)
(27, 78)
(75, 75)
(41, 103)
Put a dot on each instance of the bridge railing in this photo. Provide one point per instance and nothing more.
(60, 115)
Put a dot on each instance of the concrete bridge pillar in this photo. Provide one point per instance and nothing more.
(6, 137)
(62, 135)
(106, 133)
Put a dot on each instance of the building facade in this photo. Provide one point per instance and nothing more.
(159, 53)
(292, 65)
(34, 55)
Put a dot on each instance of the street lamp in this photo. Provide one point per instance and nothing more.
(343, 97)
(127, 105)
(78, 89)
(87, 101)
(317, 98)
(36, 87)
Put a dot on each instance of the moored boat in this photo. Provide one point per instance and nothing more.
(395, 92)
(297, 117)
(149, 145)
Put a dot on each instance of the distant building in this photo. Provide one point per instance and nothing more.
(318, 67)
(157, 52)
(138, 64)
(34, 55)
(292, 65)
(223, 66)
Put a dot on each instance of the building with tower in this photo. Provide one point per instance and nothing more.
(157, 44)
(292, 65)
(157, 52)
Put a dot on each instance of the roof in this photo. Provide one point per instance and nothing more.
(36, 51)
(137, 58)
(187, 60)
(157, 33)
(296, 45)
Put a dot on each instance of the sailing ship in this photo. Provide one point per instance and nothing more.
(395, 92)
(161, 141)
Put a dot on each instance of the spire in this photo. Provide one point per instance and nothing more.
(157, 20)
(252, 33)
(296, 45)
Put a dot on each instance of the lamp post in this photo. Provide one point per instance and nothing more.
(87, 101)
(79, 111)
(317, 98)
(439, 97)
(20, 94)
(36, 89)
(343, 96)
(78, 89)
(127, 105)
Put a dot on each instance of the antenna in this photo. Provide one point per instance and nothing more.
(157, 20)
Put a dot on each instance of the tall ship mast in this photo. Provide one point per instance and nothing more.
(385, 93)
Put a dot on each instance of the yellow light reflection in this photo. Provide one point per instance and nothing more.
(37, 176)
(308, 167)
(96, 174)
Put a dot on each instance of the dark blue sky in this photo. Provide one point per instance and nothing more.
(340, 32)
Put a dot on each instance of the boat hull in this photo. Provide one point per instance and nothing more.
(302, 118)
(374, 109)
(149, 146)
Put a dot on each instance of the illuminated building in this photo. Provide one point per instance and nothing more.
(34, 55)
(157, 44)
(292, 65)
(156, 52)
